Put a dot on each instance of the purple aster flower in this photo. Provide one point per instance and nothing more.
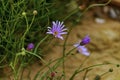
(82, 49)
(85, 40)
(30, 46)
(57, 29)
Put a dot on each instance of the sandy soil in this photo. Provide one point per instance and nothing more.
(104, 48)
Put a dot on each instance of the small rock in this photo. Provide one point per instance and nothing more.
(100, 20)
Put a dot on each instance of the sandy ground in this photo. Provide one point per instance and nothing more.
(104, 48)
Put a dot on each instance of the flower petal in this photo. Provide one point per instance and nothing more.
(57, 29)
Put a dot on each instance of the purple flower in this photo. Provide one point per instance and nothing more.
(82, 49)
(57, 29)
(85, 40)
(30, 46)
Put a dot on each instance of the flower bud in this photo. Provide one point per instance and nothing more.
(97, 77)
(30, 46)
(53, 74)
(118, 65)
(23, 13)
(23, 52)
(85, 40)
(35, 12)
(111, 70)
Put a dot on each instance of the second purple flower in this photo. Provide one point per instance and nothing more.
(81, 46)
(30, 46)
(57, 29)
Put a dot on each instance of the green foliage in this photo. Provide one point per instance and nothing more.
(17, 30)
(19, 26)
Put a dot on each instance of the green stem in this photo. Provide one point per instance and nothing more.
(35, 55)
(15, 61)
(77, 9)
(27, 29)
(72, 77)
(94, 5)
(86, 72)
(72, 12)
(86, 68)
(39, 58)
(104, 73)
(36, 48)
(14, 66)
(64, 55)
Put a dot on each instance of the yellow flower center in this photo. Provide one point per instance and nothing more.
(55, 33)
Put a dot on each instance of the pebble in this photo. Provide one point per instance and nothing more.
(100, 20)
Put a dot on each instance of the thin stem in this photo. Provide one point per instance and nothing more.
(64, 48)
(14, 66)
(72, 12)
(41, 41)
(72, 77)
(15, 61)
(32, 21)
(104, 73)
(40, 59)
(86, 68)
(23, 37)
(14, 70)
(27, 29)
(36, 56)
(77, 9)
(93, 66)
(86, 72)
(94, 5)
